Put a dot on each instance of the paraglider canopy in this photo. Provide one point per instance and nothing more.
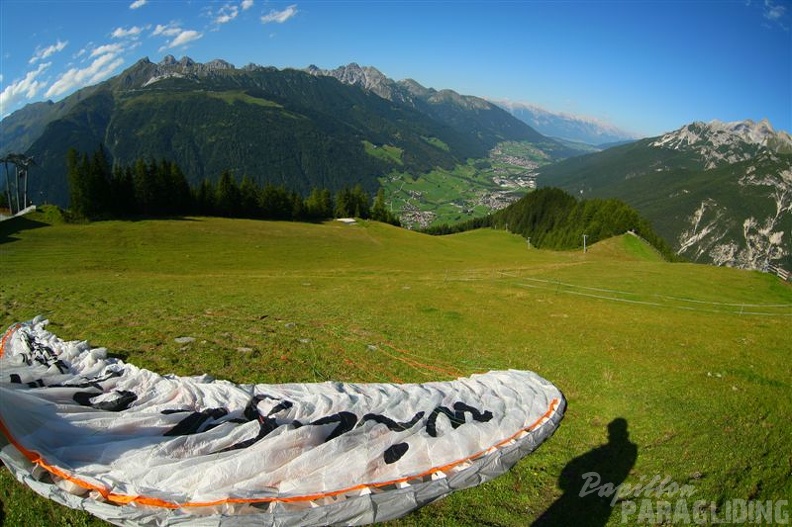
(135, 447)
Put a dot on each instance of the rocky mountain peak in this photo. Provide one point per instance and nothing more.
(749, 131)
(367, 77)
(404, 91)
(218, 64)
(185, 67)
(168, 60)
(719, 143)
(415, 88)
(188, 65)
(719, 133)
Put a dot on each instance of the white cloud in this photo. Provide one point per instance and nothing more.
(132, 32)
(226, 14)
(169, 30)
(107, 48)
(46, 52)
(183, 38)
(180, 36)
(773, 11)
(776, 15)
(100, 69)
(229, 12)
(280, 16)
(22, 90)
(137, 3)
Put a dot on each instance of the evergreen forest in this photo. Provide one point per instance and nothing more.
(160, 189)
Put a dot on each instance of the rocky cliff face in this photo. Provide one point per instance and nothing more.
(749, 239)
(757, 159)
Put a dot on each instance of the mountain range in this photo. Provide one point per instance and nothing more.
(568, 127)
(716, 192)
(719, 192)
(298, 128)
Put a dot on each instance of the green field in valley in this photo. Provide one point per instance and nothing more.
(695, 359)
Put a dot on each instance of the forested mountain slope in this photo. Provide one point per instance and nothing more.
(285, 127)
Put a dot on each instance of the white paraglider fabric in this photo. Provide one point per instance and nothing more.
(137, 448)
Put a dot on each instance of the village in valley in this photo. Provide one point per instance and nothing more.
(487, 185)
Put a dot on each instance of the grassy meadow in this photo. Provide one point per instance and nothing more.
(695, 358)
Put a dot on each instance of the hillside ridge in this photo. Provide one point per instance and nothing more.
(718, 192)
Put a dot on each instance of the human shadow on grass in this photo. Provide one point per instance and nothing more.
(590, 482)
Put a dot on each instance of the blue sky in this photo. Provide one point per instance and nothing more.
(645, 66)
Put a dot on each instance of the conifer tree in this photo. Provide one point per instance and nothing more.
(298, 207)
(75, 173)
(144, 187)
(178, 190)
(319, 204)
(249, 197)
(360, 202)
(227, 195)
(344, 205)
(123, 192)
(276, 203)
(98, 188)
(380, 212)
(204, 198)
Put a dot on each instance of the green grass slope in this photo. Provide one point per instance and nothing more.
(694, 358)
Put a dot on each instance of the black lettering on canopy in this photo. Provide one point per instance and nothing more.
(251, 412)
(85, 382)
(193, 422)
(43, 354)
(266, 423)
(121, 402)
(395, 452)
(94, 382)
(457, 417)
(16, 379)
(346, 422)
(392, 425)
(267, 426)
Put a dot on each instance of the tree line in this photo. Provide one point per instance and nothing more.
(554, 219)
(161, 189)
